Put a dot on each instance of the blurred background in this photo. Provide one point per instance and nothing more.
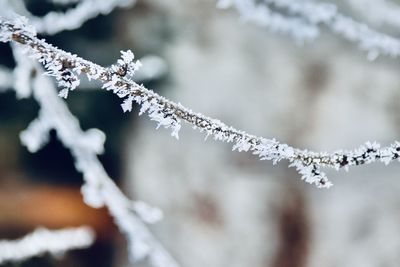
(221, 208)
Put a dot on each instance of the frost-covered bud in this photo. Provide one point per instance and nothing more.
(126, 66)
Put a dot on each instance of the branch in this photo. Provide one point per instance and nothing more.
(54, 22)
(45, 241)
(381, 12)
(66, 68)
(298, 28)
(315, 14)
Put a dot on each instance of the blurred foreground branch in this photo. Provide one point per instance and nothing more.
(45, 241)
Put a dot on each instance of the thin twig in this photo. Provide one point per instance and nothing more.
(66, 68)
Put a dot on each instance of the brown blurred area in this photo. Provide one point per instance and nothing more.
(25, 207)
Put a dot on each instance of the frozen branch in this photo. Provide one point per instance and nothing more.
(298, 28)
(45, 241)
(66, 68)
(316, 14)
(382, 12)
(54, 22)
(22, 73)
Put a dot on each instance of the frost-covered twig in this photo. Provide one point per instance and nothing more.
(66, 68)
(45, 241)
(22, 73)
(382, 12)
(54, 22)
(314, 15)
(262, 15)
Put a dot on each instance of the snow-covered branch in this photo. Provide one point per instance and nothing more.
(300, 13)
(262, 15)
(66, 68)
(45, 241)
(382, 12)
(54, 22)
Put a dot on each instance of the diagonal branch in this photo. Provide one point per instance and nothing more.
(66, 68)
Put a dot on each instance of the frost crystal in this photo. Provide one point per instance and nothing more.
(127, 104)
